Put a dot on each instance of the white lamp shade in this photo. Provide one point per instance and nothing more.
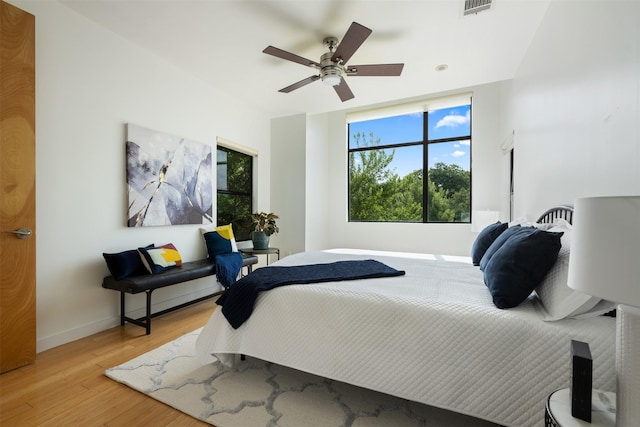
(605, 248)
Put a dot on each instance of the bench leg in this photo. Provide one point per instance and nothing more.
(145, 321)
(148, 321)
(122, 308)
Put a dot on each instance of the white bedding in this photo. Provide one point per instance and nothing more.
(432, 336)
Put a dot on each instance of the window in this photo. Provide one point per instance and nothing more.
(387, 160)
(234, 172)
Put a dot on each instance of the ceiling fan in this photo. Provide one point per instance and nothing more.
(333, 64)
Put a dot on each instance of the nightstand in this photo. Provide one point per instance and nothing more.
(558, 410)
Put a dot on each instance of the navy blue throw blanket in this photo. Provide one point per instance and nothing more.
(238, 301)
(228, 267)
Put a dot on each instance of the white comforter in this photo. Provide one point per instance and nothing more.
(432, 336)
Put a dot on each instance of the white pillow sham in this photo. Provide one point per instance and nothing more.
(556, 300)
(524, 222)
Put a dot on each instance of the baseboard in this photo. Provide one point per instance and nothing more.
(83, 331)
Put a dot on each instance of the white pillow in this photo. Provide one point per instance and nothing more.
(524, 222)
(558, 301)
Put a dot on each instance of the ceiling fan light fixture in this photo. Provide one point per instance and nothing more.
(331, 80)
(331, 75)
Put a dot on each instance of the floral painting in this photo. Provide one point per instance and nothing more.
(169, 179)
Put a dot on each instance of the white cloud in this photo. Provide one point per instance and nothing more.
(467, 142)
(454, 120)
(458, 153)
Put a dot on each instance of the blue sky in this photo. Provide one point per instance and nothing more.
(444, 123)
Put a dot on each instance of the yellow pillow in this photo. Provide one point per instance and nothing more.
(160, 258)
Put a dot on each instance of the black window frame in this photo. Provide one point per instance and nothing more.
(425, 143)
(242, 224)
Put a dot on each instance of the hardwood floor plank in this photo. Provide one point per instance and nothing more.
(66, 386)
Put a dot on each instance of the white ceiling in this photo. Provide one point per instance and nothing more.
(221, 41)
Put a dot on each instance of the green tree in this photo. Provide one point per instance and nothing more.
(450, 177)
(460, 203)
(451, 193)
(377, 193)
(438, 209)
(409, 194)
(234, 195)
(369, 180)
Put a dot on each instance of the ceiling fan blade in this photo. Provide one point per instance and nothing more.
(375, 70)
(283, 54)
(352, 40)
(299, 84)
(343, 90)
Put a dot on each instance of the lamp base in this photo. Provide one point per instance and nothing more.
(627, 366)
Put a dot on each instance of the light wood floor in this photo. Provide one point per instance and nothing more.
(66, 385)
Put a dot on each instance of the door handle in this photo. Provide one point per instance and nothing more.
(20, 233)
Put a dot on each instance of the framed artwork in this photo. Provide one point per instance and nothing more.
(169, 179)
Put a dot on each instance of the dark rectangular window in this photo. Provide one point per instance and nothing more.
(387, 160)
(234, 174)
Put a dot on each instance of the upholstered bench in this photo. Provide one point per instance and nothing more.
(149, 282)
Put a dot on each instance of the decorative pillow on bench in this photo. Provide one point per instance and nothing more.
(219, 240)
(124, 264)
(160, 258)
(222, 248)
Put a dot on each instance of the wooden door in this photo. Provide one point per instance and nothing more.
(17, 188)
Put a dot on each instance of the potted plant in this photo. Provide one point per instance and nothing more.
(264, 225)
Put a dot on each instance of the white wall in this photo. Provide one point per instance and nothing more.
(299, 168)
(576, 101)
(288, 152)
(318, 187)
(90, 82)
(454, 239)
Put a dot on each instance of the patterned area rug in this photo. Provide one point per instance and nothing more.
(256, 393)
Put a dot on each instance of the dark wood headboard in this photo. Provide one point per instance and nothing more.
(559, 212)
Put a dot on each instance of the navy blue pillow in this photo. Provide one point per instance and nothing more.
(216, 244)
(485, 239)
(500, 240)
(124, 264)
(520, 265)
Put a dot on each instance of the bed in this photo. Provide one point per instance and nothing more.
(433, 335)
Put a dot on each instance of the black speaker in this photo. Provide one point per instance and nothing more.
(581, 378)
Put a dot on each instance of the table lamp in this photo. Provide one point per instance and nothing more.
(605, 262)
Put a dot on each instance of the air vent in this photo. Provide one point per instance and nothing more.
(475, 6)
